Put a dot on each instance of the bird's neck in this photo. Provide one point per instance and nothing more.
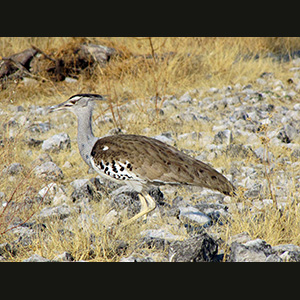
(85, 136)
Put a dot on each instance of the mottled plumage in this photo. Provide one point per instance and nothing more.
(149, 161)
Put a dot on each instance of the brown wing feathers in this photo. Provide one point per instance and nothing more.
(157, 162)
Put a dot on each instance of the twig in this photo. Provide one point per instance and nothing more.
(42, 52)
(3, 212)
(18, 65)
(152, 48)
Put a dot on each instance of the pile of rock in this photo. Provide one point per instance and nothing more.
(56, 66)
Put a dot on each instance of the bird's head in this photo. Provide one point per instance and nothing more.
(77, 102)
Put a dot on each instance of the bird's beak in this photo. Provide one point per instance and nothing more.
(57, 107)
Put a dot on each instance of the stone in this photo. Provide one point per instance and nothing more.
(57, 142)
(44, 157)
(160, 234)
(87, 190)
(263, 155)
(251, 251)
(285, 247)
(185, 98)
(154, 243)
(99, 53)
(49, 192)
(57, 212)
(110, 218)
(63, 257)
(239, 151)
(5, 250)
(199, 248)
(49, 170)
(192, 214)
(36, 258)
(31, 142)
(78, 183)
(241, 238)
(39, 127)
(296, 106)
(24, 235)
(136, 258)
(223, 137)
(22, 59)
(274, 258)
(164, 139)
(71, 80)
(291, 132)
(13, 169)
(290, 256)
(283, 137)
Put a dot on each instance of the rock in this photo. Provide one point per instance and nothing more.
(36, 258)
(13, 169)
(241, 238)
(53, 194)
(100, 54)
(198, 248)
(71, 80)
(110, 218)
(290, 256)
(19, 61)
(185, 98)
(30, 82)
(251, 251)
(239, 151)
(39, 127)
(189, 136)
(78, 183)
(255, 190)
(67, 165)
(288, 252)
(296, 106)
(154, 243)
(274, 258)
(24, 234)
(283, 137)
(213, 210)
(263, 155)
(291, 131)
(192, 214)
(87, 190)
(124, 198)
(279, 249)
(57, 142)
(223, 137)
(31, 142)
(136, 258)
(49, 170)
(160, 234)
(164, 139)
(186, 117)
(58, 212)
(64, 257)
(6, 250)
(44, 157)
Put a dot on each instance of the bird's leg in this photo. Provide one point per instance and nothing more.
(144, 205)
(147, 205)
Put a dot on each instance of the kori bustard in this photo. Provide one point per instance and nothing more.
(136, 160)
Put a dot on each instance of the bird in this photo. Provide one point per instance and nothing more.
(136, 160)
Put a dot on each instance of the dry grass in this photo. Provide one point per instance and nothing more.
(196, 63)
